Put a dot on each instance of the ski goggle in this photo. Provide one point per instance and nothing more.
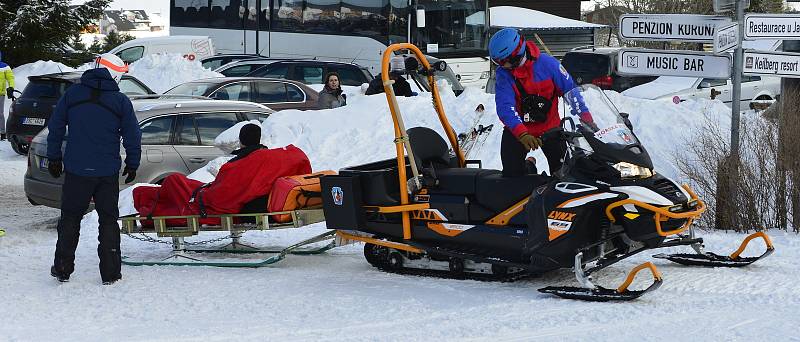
(514, 58)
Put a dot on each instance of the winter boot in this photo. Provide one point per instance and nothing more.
(112, 280)
(62, 277)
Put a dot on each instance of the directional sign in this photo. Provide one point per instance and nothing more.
(772, 26)
(673, 63)
(669, 27)
(726, 37)
(772, 64)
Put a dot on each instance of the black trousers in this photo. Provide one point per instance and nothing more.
(75, 196)
(512, 154)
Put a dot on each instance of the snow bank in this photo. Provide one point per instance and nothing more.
(161, 72)
(362, 132)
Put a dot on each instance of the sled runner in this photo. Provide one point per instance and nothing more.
(187, 254)
(427, 211)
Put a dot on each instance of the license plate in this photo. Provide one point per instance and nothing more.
(43, 163)
(33, 121)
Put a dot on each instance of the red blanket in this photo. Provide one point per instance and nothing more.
(237, 183)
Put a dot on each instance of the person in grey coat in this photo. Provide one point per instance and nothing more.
(331, 95)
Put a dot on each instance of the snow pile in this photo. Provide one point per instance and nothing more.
(362, 132)
(161, 72)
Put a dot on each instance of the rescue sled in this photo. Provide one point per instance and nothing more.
(296, 203)
(431, 212)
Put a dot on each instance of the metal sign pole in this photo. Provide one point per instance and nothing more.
(737, 85)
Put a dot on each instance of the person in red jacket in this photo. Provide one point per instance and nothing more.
(528, 84)
(249, 175)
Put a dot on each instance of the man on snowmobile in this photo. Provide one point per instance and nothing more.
(528, 84)
(98, 116)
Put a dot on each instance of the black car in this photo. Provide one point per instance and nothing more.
(31, 111)
(217, 61)
(305, 71)
(598, 66)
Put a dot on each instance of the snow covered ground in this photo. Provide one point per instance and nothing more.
(338, 296)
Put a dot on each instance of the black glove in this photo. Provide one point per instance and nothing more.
(131, 173)
(10, 93)
(55, 167)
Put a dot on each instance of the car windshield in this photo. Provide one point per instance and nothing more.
(191, 88)
(610, 125)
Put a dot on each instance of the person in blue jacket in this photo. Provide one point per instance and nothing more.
(97, 115)
(528, 84)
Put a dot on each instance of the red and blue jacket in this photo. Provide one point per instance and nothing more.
(542, 75)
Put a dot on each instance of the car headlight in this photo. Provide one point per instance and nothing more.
(628, 170)
(484, 75)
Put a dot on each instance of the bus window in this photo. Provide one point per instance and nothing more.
(225, 14)
(288, 15)
(455, 26)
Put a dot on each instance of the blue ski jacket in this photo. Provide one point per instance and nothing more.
(542, 75)
(97, 115)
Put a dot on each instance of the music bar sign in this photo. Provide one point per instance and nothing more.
(772, 26)
(673, 63)
(772, 64)
(670, 27)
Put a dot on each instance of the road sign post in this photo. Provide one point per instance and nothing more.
(673, 63)
(728, 5)
(669, 27)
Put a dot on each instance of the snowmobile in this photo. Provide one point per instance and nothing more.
(431, 212)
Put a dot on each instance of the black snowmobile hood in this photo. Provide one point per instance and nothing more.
(99, 79)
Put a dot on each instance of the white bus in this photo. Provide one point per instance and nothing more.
(355, 31)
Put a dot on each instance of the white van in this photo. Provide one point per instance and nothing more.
(191, 47)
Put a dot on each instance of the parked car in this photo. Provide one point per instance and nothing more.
(191, 47)
(598, 66)
(277, 94)
(305, 71)
(31, 111)
(216, 61)
(757, 91)
(177, 137)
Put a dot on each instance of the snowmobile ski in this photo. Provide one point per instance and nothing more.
(715, 260)
(594, 293)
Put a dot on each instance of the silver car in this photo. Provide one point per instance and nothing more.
(177, 137)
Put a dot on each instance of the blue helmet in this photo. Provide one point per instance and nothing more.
(504, 43)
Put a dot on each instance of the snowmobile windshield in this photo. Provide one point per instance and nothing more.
(599, 116)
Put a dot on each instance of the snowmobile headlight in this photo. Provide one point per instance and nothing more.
(628, 170)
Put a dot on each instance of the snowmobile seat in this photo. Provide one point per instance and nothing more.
(430, 150)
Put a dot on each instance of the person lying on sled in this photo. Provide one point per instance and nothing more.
(249, 175)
